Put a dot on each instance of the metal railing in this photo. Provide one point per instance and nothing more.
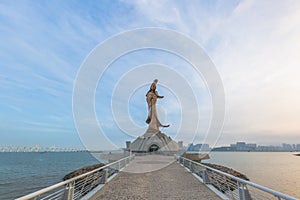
(77, 187)
(232, 187)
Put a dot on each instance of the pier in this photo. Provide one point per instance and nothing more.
(165, 180)
(156, 177)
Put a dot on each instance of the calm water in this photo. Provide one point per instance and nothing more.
(22, 173)
(279, 171)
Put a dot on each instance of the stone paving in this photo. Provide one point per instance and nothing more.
(168, 181)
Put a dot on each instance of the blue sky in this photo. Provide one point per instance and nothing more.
(254, 45)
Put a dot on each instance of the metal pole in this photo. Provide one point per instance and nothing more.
(68, 192)
(205, 177)
(192, 168)
(104, 176)
(244, 193)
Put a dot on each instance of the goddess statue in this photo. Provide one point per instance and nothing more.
(151, 97)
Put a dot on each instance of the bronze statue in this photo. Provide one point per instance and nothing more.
(151, 98)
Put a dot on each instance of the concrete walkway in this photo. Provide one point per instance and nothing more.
(170, 181)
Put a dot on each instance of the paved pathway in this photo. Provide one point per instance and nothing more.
(170, 182)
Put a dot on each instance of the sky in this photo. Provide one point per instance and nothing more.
(254, 46)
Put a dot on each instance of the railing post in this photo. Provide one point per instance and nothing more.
(192, 168)
(104, 177)
(205, 177)
(243, 192)
(68, 192)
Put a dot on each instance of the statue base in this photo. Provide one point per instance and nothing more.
(153, 141)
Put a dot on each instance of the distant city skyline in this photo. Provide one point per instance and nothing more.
(238, 146)
(244, 146)
(253, 44)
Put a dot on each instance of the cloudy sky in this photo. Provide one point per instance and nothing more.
(254, 45)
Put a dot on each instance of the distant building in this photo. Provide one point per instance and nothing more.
(269, 148)
(190, 147)
(198, 147)
(240, 144)
(243, 146)
(222, 149)
(205, 147)
(287, 147)
(180, 144)
(251, 145)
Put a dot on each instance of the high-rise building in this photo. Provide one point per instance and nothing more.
(198, 147)
(287, 147)
(298, 147)
(240, 144)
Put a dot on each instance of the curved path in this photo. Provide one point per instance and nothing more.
(171, 181)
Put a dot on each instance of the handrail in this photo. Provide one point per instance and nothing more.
(268, 190)
(47, 189)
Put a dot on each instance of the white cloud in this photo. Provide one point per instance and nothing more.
(258, 62)
(255, 46)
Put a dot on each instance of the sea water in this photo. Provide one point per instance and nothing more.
(23, 173)
(276, 170)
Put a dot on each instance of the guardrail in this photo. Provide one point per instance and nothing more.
(232, 187)
(77, 187)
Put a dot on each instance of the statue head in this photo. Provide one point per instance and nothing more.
(155, 81)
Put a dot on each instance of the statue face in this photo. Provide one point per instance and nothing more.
(155, 81)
